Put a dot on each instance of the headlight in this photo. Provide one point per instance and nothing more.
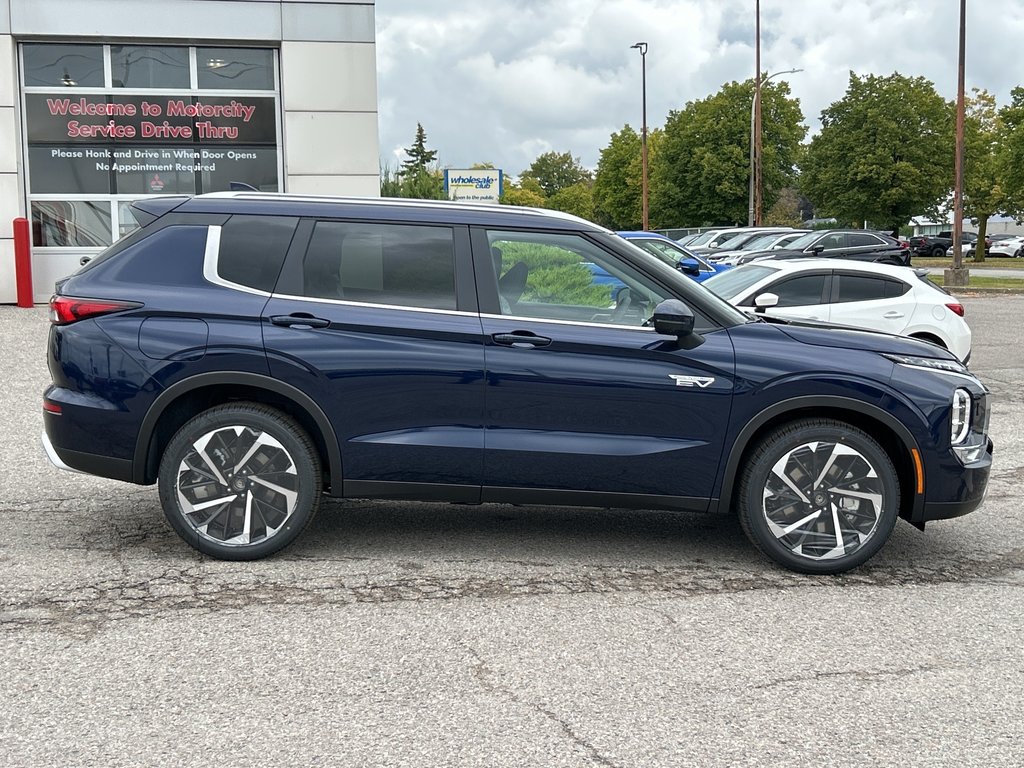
(960, 420)
(930, 364)
(968, 422)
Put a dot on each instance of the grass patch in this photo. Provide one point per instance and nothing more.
(991, 262)
(1012, 283)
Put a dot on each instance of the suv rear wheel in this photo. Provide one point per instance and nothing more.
(818, 496)
(240, 481)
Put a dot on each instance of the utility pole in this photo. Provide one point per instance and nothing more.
(959, 275)
(642, 47)
(757, 113)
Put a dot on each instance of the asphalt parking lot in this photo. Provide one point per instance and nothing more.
(402, 634)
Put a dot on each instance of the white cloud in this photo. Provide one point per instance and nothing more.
(503, 81)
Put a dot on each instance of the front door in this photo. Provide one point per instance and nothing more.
(581, 396)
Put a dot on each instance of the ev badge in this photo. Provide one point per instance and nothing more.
(693, 381)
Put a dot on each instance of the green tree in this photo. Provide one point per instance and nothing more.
(555, 171)
(577, 200)
(786, 211)
(419, 157)
(884, 153)
(526, 193)
(617, 185)
(983, 164)
(419, 175)
(1011, 157)
(702, 175)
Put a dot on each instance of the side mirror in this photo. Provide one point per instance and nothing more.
(688, 267)
(817, 249)
(765, 301)
(673, 318)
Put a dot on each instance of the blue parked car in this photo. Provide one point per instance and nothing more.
(675, 255)
(250, 353)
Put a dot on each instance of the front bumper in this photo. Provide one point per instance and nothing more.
(971, 489)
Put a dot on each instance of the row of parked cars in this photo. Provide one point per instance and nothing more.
(741, 245)
(251, 353)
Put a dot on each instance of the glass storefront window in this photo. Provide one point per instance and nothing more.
(71, 224)
(104, 124)
(126, 221)
(149, 66)
(63, 66)
(232, 69)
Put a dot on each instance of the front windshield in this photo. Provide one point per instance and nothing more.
(703, 238)
(763, 242)
(734, 242)
(666, 250)
(802, 242)
(733, 282)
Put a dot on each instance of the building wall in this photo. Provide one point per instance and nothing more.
(328, 87)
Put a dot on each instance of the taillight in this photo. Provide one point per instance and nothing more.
(957, 308)
(51, 407)
(67, 309)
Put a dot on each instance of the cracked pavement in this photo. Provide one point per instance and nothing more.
(403, 634)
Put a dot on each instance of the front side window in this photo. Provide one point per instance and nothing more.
(799, 291)
(396, 264)
(565, 277)
(833, 241)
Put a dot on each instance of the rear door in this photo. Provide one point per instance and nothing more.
(582, 397)
(378, 322)
(878, 302)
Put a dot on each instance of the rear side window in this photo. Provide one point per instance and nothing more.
(867, 288)
(172, 256)
(857, 239)
(252, 249)
(405, 265)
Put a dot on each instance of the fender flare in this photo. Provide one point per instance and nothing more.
(260, 381)
(798, 403)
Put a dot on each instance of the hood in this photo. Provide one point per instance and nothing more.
(846, 337)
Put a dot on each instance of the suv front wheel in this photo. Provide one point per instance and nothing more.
(240, 481)
(818, 496)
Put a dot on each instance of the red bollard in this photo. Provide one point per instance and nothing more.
(23, 263)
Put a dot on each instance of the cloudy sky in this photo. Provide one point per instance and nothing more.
(502, 81)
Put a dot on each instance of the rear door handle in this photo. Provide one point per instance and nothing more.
(300, 320)
(521, 339)
(892, 315)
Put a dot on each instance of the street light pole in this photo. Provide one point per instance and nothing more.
(753, 214)
(642, 47)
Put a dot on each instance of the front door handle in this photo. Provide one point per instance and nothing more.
(300, 320)
(521, 339)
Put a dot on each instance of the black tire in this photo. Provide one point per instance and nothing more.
(255, 458)
(938, 252)
(822, 489)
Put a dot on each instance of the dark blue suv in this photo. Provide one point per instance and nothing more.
(253, 352)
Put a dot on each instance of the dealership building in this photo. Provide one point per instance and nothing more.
(103, 102)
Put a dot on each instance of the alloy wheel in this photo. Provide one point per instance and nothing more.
(237, 486)
(823, 500)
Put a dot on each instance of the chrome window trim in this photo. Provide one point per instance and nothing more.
(372, 305)
(567, 322)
